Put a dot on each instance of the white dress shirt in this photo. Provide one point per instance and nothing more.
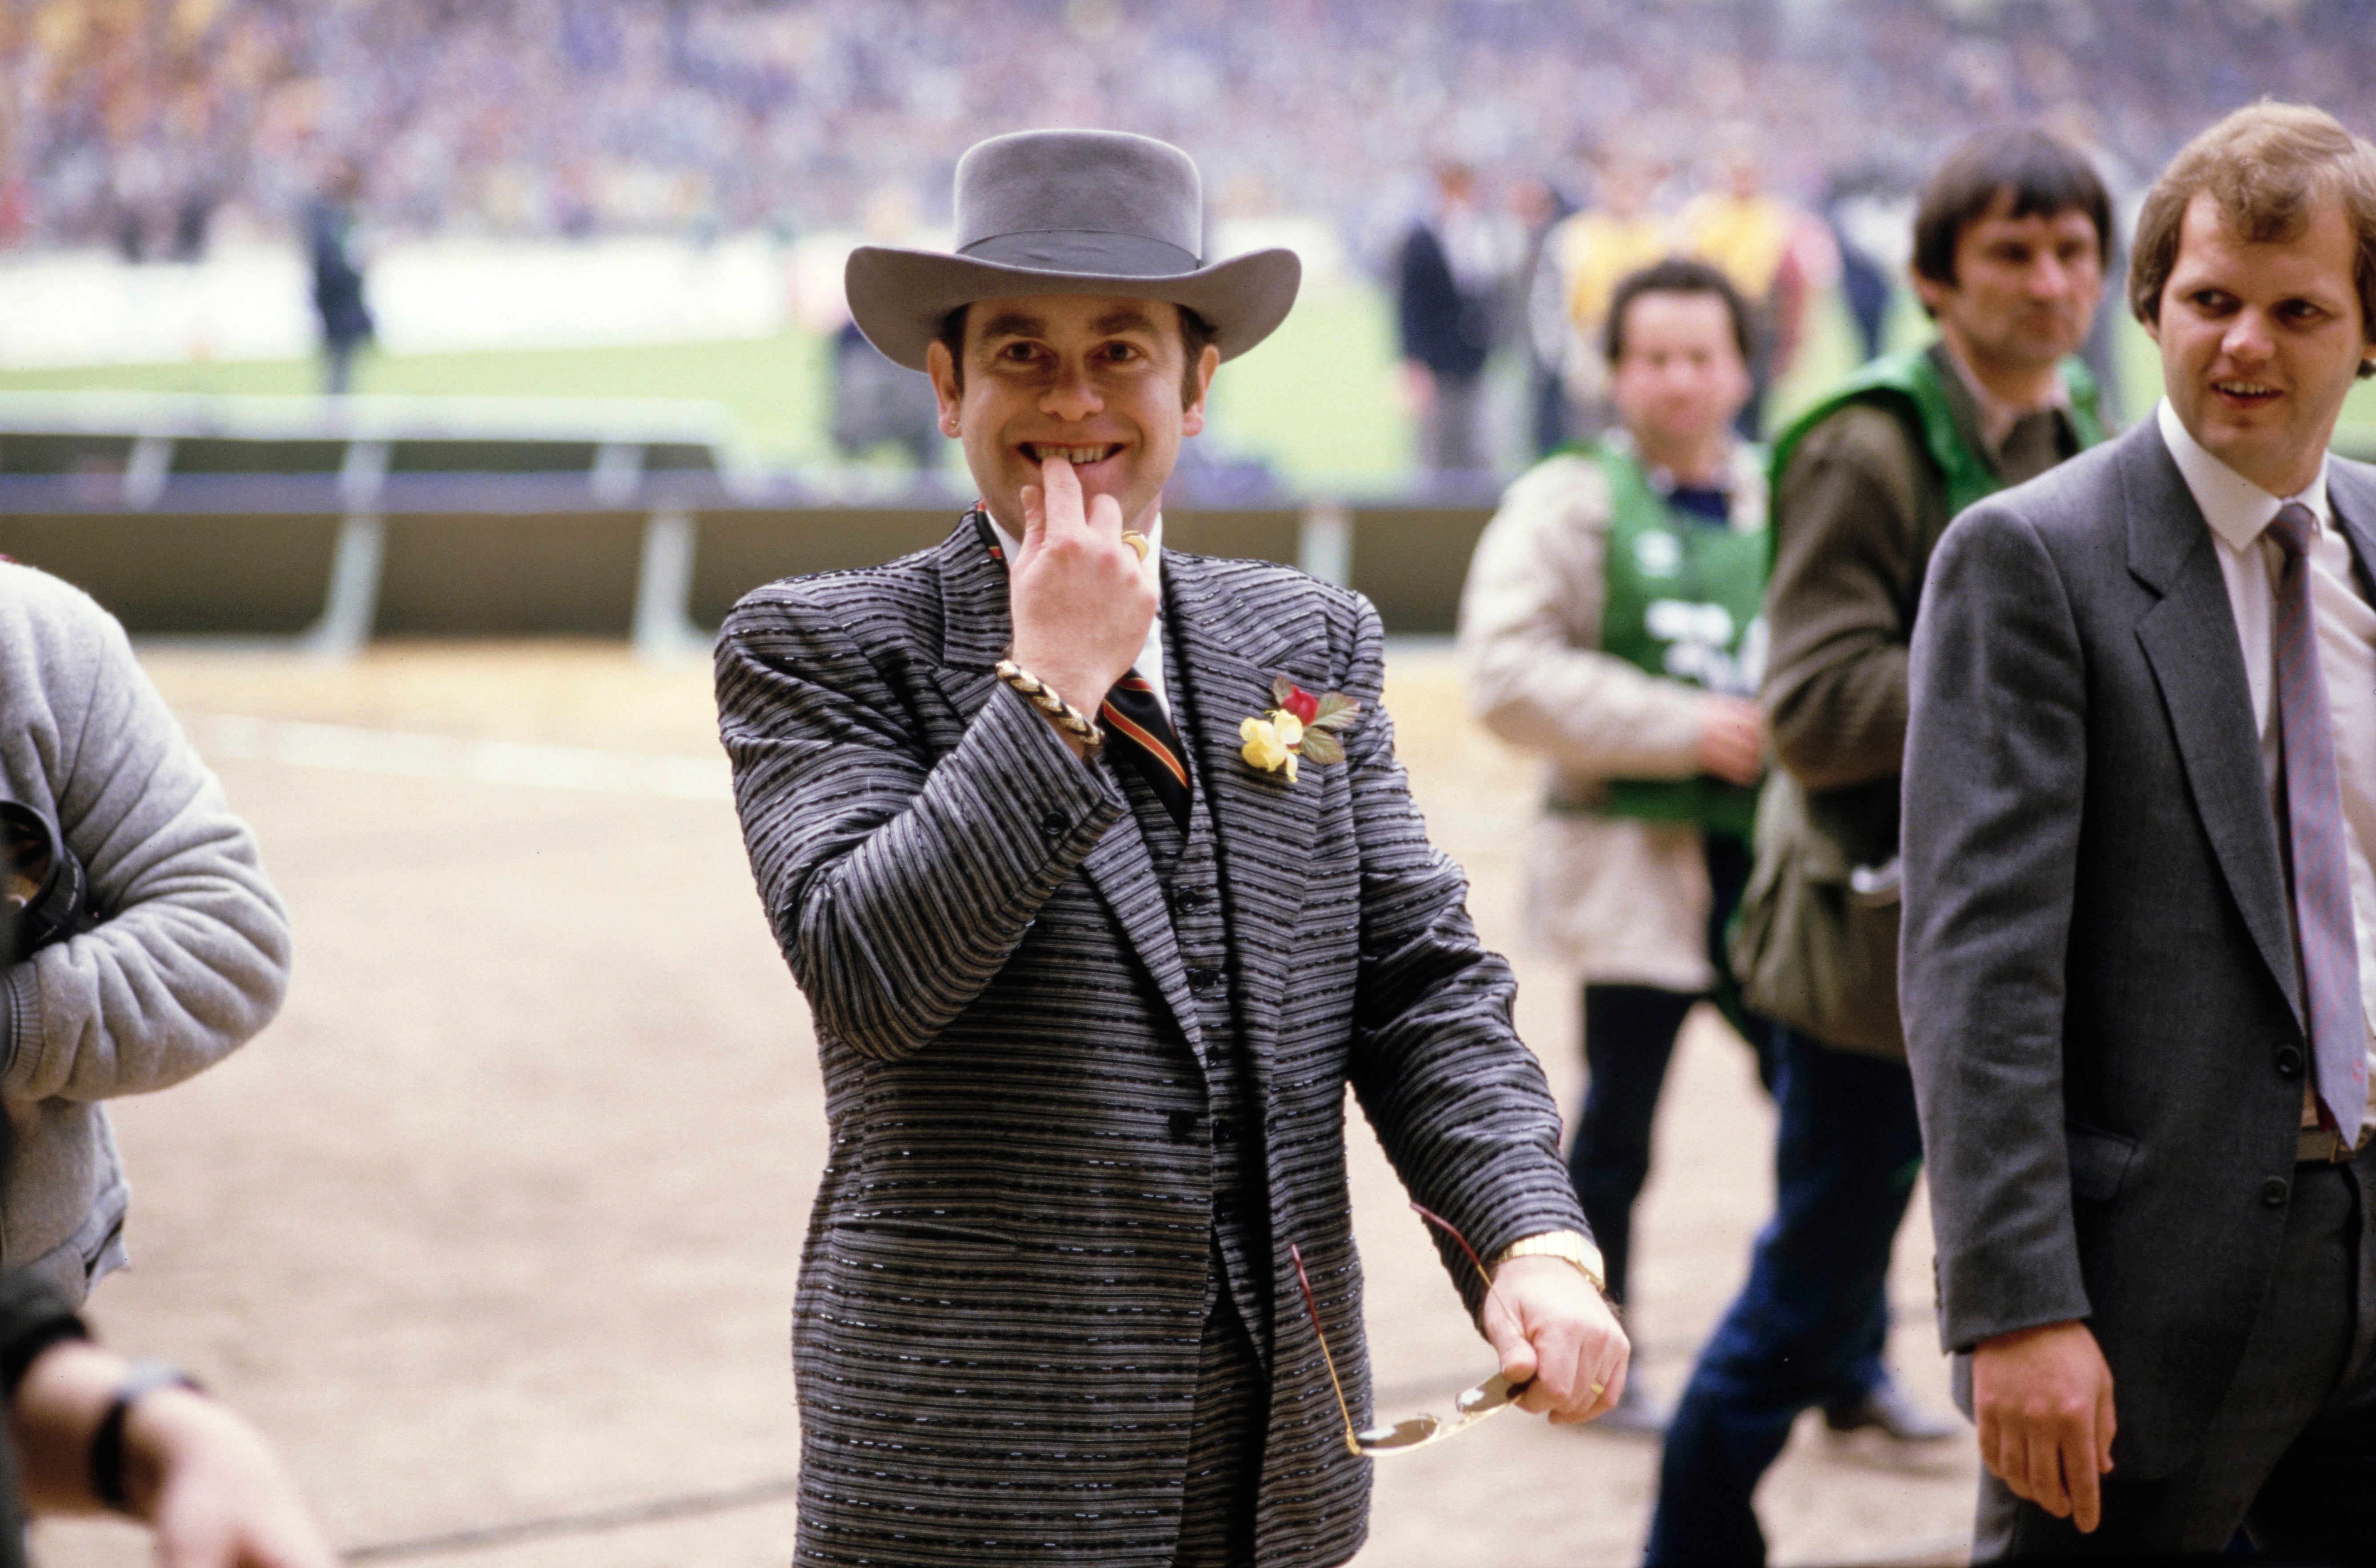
(2240, 513)
(1149, 662)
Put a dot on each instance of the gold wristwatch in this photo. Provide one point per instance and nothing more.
(1572, 1246)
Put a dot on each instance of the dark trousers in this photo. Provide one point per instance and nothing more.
(1628, 1037)
(2290, 1458)
(1846, 1156)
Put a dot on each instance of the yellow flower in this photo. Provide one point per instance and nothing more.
(1290, 731)
(1264, 747)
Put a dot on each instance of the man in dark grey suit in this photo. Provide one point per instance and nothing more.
(2136, 961)
(1089, 992)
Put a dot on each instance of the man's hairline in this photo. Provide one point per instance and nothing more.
(1680, 291)
(2228, 225)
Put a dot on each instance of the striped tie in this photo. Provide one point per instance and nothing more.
(2330, 952)
(1137, 727)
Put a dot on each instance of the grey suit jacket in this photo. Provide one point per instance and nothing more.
(1003, 1286)
(2097, 958)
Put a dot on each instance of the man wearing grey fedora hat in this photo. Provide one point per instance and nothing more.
(1098, 871)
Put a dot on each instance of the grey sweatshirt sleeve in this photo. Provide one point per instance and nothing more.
(192, 955)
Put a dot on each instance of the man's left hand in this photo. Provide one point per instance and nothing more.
(1556, 1334)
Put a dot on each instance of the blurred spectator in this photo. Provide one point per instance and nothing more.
(1448, 280)
(1870, 217)
(338, 282)
(1538, 208)
(541, 119)
(1775, 254)
(876, 402)
(1619, 234)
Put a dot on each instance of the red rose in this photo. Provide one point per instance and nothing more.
(1301, 703)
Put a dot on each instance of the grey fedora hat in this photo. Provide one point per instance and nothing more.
(1070, 212)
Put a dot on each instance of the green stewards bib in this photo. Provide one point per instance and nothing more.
(1684, 593)
(1908, 385)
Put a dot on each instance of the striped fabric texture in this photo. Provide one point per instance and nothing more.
(1004, 1288)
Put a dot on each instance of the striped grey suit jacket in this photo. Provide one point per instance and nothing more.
(1003, 1285)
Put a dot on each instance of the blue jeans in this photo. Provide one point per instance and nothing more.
(1846, 1158)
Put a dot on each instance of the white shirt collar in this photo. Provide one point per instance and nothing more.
(2236, 508)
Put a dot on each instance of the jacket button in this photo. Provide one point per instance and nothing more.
(1186, 897)
(1053, 825)
(1223, 1130)
(2289, 1062)
(1203, 980)
(1183, 1125)
(2274, 1191)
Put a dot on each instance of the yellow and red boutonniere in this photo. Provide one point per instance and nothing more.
(1299, 725)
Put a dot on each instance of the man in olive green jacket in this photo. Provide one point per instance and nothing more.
(2011, 241)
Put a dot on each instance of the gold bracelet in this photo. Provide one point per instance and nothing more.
(1070, 720)
(1568, 1246)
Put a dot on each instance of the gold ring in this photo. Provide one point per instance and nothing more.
(1137, 540)
(1598, 1389)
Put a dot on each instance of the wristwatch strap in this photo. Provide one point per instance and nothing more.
(1572, 1246)
(107, 1442)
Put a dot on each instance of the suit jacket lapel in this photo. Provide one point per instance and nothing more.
(2189, 638)
(1263, 825)
(975, 632)
(2353, 497)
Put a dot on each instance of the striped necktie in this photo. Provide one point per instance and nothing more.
(1136, 727)
(2322, 873)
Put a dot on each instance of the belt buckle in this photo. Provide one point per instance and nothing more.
(2324, 1146)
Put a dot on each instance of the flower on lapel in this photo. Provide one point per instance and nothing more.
(1298, 726)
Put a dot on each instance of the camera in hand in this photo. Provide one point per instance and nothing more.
(45, 896)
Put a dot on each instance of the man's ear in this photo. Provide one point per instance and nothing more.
(1192, 421)
(943, 371)
(1930, 291)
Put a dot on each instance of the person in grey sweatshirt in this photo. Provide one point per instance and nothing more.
(188, 956)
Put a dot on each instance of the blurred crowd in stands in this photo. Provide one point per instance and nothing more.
(143, 123)
(1544, 147)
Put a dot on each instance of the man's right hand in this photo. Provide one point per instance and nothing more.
(1732, 738)
(1080, 599)
(2042, 1398)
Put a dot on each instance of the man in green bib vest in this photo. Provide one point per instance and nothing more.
(2011, 240)
(1610, 624)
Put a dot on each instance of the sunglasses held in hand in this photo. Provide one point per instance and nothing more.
(1496, 1393)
